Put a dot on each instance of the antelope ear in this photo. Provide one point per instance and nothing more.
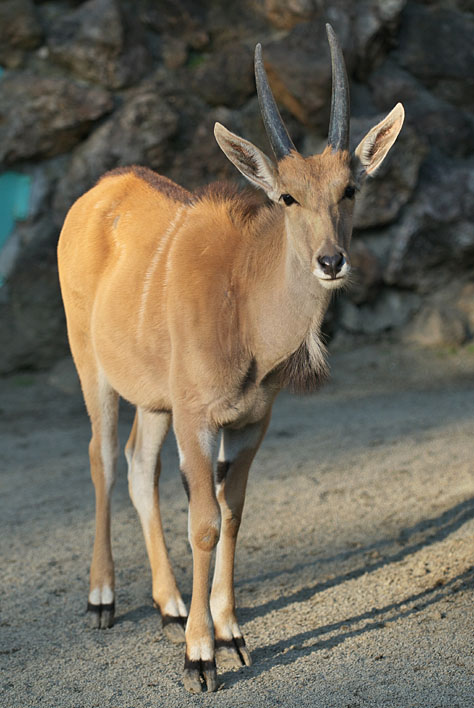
(372, 149)
(249, 160)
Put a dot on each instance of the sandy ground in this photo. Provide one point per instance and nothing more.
(355, 561)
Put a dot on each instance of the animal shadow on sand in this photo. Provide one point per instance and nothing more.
(421, 535)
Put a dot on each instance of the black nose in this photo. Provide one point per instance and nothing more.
(331, 265)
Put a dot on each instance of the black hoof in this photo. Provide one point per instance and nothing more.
(199, 675)
(232, 653)
(101, 616)
(174, 628)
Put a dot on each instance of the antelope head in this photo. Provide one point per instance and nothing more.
(317, 192)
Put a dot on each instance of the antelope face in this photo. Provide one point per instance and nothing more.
(318, 200)
(317, 193)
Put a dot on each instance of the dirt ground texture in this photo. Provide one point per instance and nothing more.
(355, 558)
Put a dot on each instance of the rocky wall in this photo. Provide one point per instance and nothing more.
(87, 86)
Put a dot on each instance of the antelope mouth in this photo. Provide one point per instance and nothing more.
(332, 281)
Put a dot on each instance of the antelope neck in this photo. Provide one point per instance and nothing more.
(285, 300)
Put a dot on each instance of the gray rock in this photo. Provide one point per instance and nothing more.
(226, 77)
(435, 237)
(137, 133)
(203, 161)
(99, 42)
(32, 322)
(20, 30)
(362, 102)
(390, 310)
(465, 304)
(299, 71)
(41, 117)
(298, 63)
(169, 18)
(35, 235)
(436, 327)
(285, 14)
(435, 44)
(382, 198)
(174, 52)
(248, 123)
(445, 127)
(9, 255)
(63, 376)
(374, 25)
(366, 274)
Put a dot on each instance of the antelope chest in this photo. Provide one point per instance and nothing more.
(249, 405)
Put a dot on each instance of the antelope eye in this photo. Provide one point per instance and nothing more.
(288, 199)
(349, 192)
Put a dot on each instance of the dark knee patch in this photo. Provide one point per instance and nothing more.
(221, 470)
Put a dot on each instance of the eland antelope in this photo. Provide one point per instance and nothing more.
(201, 308)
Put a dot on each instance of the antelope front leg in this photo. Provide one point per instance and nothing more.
(238, 448)
(195, 450)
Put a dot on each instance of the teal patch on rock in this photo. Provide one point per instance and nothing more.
(15, 191)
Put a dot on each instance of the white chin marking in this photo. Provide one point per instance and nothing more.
(330, 283)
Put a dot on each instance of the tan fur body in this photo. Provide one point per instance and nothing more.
(157, 283)
(200, 308)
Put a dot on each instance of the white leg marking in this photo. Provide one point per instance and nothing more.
(107, 595)
(203, 649)
(207, 441)
(151, 431)
(175, 608)
(108, 437)
(152, 267)
(94, 596)
(218, 605)
(101, 596)
(181, 456)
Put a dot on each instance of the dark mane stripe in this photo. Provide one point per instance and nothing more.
(162, 184)
(244, 203)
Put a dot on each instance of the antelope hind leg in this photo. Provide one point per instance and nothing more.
(102, 405)
(143, 456)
